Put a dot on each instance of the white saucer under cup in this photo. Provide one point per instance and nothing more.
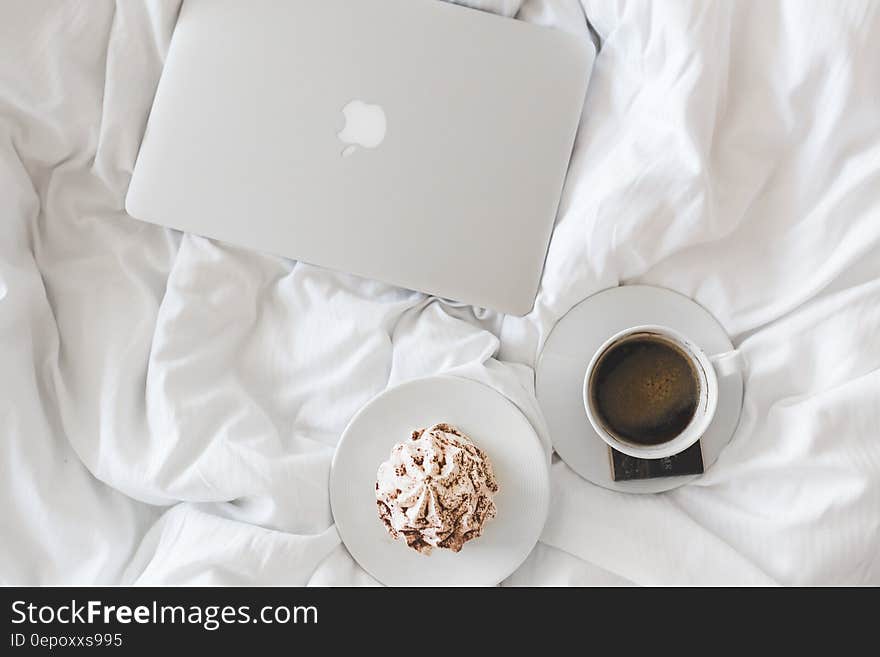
(520, 461)
(571, 344)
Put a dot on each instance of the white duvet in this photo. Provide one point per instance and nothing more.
(169, 405)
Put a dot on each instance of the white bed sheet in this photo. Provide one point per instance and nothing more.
(169, 405)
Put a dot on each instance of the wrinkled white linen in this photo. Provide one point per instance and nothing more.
(169, 405)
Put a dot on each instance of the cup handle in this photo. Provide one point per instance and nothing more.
(727, 363)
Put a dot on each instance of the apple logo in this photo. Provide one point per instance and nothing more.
(364, 126)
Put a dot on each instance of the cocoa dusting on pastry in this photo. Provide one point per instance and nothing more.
(436, 489)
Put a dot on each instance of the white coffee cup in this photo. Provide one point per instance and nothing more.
(708, 370)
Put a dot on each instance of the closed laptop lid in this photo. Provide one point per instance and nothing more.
(410, 141)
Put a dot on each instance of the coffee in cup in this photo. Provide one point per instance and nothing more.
(645, 389)
(650, 392)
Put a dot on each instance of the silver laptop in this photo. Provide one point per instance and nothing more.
(415, 142)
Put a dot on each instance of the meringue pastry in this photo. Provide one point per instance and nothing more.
(436, 489)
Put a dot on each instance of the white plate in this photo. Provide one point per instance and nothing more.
(521, 466)
(559, 378)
